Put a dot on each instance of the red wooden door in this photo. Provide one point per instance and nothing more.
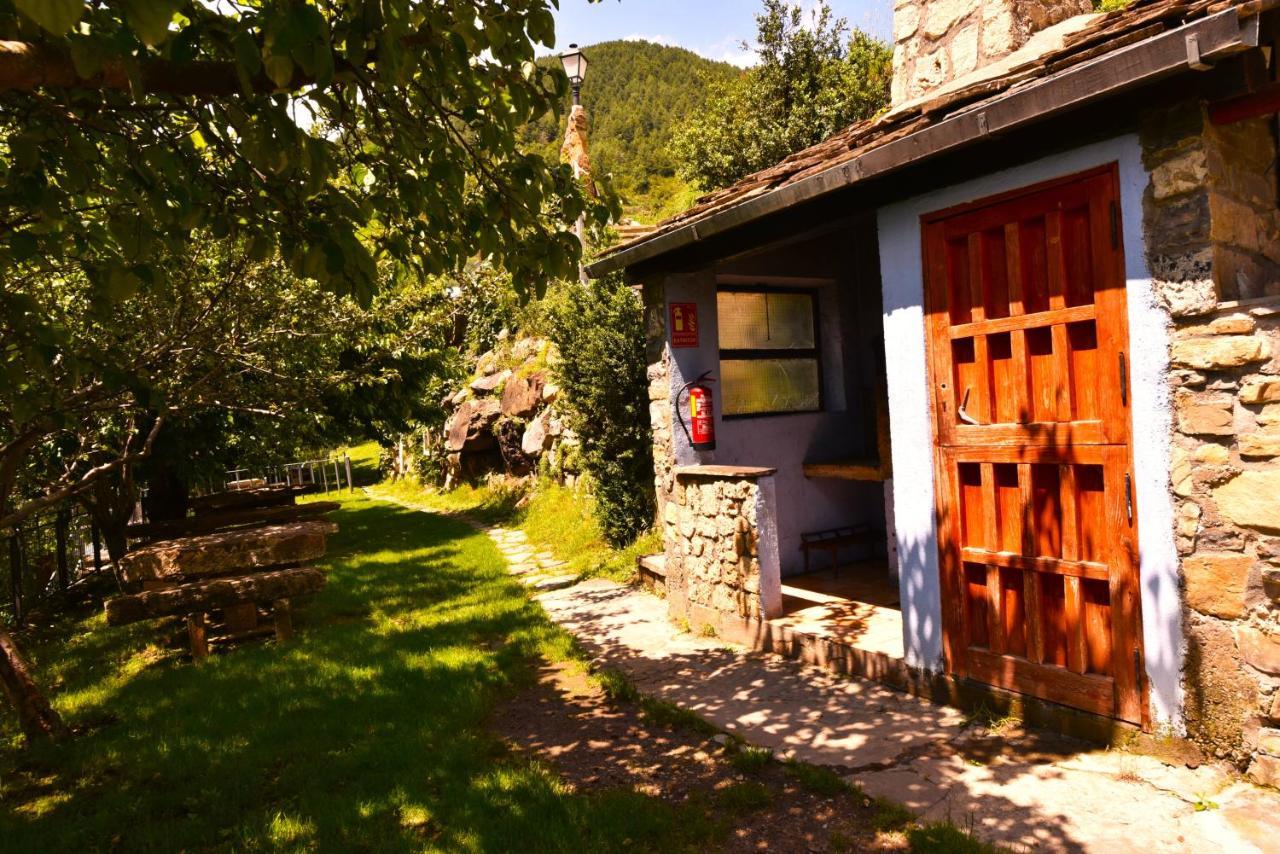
(1027, 342)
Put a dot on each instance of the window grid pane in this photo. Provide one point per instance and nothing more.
(759, 386)
(765, 321)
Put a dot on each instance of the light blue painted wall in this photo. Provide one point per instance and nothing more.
(783, 442)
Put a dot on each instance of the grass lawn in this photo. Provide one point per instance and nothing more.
(554, 518)
(367, 732)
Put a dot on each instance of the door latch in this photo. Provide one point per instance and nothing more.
(961, 413)
(1124, 382)
(1128, 497)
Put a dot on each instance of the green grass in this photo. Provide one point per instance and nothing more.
(367, 732)
(669, 715)
(945, 838)
(364, 462)
(818, 779)
(555, 518)
(749, 759)
(747, 796)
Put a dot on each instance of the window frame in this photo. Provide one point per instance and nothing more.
(751, 354)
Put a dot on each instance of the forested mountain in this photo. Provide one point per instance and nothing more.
(635, 93)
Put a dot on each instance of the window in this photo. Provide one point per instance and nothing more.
(769, 360)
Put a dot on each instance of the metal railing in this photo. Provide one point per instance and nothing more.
(324, 474)
(48, 553)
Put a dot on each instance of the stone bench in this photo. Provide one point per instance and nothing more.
(243, 499)
(226, 553)
(254, 517)
(195, 599)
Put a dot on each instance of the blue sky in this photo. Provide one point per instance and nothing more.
(713, 28)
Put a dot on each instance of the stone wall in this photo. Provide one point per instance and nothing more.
(660, 408)
(939, 40)
(1213, 246)
(721, 549)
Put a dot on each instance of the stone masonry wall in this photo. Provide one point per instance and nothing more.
(1213, 245)
(659, 376)
(939, 40)
(712, 548)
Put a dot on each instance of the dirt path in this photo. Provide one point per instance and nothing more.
(754, 803)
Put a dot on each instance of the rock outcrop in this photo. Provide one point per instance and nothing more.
(504, 418)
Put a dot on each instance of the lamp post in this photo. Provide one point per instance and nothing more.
(574, 150)
(575, 65)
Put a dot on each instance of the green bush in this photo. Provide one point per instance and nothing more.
(599, 331)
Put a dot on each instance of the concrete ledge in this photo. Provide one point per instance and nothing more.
(652, 570)
(964, 694)
(724, 471)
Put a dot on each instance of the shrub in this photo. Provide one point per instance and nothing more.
(599, 331)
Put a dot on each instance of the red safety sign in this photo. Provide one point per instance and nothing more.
(684, 324)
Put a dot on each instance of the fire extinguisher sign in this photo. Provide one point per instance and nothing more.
(684, 324)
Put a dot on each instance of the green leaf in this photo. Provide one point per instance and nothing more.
(260, 248)
(280, 70)
(121, 283)
(23, 246)
(87, 55)
(56, 16)
(151, 18)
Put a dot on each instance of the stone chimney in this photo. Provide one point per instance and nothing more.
(937, 41)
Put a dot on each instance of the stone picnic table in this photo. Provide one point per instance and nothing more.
(253, 553)
(226, 552)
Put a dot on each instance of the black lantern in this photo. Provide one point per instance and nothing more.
(575, 65)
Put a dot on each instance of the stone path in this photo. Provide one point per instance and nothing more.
(1019, 788)
(1014, 787)
(539, 570)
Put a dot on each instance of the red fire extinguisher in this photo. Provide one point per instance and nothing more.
(702, 436)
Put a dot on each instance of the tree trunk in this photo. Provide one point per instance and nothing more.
(38, 719)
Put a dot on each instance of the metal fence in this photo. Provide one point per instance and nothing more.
(324, 474)
(48, 553)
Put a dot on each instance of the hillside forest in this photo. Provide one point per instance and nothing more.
(636, 95)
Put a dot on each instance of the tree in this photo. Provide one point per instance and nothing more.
(315, 143)
(599, 331)
(810, 83)
(336, 136)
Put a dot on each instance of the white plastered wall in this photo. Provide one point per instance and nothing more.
(911, 429)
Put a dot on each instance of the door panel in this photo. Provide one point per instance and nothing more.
(1027, 337)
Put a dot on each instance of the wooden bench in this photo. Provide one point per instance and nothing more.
(195, 599)
(834, 539)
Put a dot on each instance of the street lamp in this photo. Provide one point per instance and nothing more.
(575, 65)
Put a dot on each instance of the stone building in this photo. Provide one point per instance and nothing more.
(1009, 355)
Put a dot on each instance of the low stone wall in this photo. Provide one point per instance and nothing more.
(722, 547)
(1213, 244)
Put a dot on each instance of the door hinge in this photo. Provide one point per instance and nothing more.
(1137, 666)
(1128, 497)
(1124, 382)
(1115, 225)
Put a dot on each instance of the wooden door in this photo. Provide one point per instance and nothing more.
(1027, 342)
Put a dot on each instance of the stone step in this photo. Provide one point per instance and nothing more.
(544, 584)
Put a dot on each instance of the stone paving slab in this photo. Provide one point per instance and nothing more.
(1021, 788)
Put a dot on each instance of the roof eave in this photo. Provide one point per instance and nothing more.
(1189, 47)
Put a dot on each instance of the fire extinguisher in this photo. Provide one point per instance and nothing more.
(701, 413)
